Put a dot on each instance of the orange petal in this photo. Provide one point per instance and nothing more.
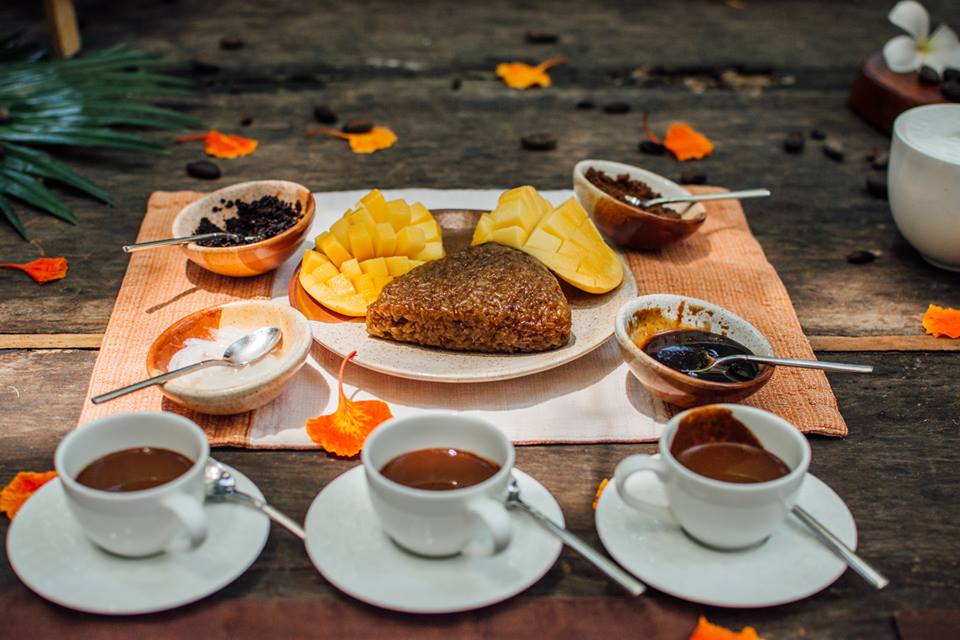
(685, 143)
(520, 75)
(23, 485)
(42, 269)
(376, 139)
(942, 322)
(708, 631)
(219, 145)
(596, 497)
(344, 431)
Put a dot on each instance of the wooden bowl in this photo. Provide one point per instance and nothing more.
(248, 259)
(630, 226)
(639, 319)
(253, 392)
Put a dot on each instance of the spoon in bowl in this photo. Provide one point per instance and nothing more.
(140, 246)
(243, 351)
(703, 197)
(712, 362)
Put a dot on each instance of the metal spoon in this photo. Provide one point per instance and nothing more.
(222, 486)
(140, 246)
(835, 544)
(618, 575)
(727, 195)
(240, 353)
(712, 362)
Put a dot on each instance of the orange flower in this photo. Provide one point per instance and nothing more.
(221, 145)
(374, 140)
(23, 485)
(344, 431)
(685, 143)
(941, 322)
(707, 631)
(520, 75)
(42, 269)
(596, 497)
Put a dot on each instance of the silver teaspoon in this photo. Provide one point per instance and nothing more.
(713, 362)
(140, 246)
(726, 195)
(835, 544)
(221, 485)
(618, 575)
(240, 353)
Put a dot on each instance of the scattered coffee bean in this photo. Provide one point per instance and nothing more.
(833, 149)
(879, 159)
(928, 75)
(357, 125)
(204, 67)
(323, 114)
(861, 257)
(203, 170)
(616, 108)
(818, 134)
(246, 121)
(456, 84)
(693, 176)
(231, 43)
(539, 142)
(652, 148)
(585, 104)
(951, 73)
(4, 115)
(951, 90)
(794, 142)
(877, 187)
(541, 37)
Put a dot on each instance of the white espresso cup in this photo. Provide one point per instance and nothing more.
(136, 523)
(725, 515)
(472, 520)
(923, 180)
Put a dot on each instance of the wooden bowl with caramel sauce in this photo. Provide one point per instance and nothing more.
(645, 318)
(630, 226)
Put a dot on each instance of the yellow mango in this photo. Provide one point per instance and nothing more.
(398, 265)
(431, 251)
(332, 248)
(376, 204)
(419, 213)
(361, 243)
(375, 267)
(509, 236)
(410, 241)
(350, 268)
(341, 231)
(399, 216)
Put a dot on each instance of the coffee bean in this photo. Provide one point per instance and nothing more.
(693, 176)
(861, 257)
(818, 134)
(204, 170)
(323, 114)
(585, 104)
(877, 187)
(357, 125)
(652, 148)
(246, 121)
(928, 75)
(951, 73)
(231, 43)
(794, 142)
(541, 37)
(951, 90)
(879, 160)
(456, 84)
(204, 67)
(539, 142)
(833, 149)
(4, 115)
(616, 108)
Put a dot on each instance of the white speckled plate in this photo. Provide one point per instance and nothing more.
(593, 319)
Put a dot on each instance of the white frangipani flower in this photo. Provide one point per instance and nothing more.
(908, 53)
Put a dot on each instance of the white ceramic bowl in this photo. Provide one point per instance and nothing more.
(923, 181)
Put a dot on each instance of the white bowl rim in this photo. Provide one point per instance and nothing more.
(667, 187)
(899, 124)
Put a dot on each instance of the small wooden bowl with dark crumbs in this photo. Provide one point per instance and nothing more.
(277, 211)
(630, 226)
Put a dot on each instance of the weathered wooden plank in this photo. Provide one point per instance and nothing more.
(50, 340)
(895, 471)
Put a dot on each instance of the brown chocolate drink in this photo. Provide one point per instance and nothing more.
(439, 469)
(712, 443)
(134, 469)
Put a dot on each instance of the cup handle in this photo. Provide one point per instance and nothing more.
(491, 515)
(635, 464)
(190, 514)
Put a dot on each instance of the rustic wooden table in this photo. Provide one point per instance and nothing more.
(745, 76)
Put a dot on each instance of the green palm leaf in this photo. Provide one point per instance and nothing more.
(13, 218)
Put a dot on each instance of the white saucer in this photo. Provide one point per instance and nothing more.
(51, 555)
(348, 547)
(789, 566)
